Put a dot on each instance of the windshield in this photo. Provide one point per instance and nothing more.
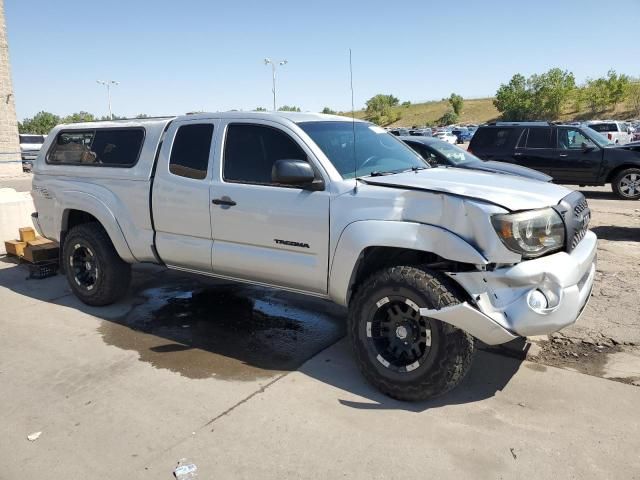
(376, 151)
(597, 137)
(456, 154)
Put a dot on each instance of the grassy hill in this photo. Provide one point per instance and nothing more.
(480, 110)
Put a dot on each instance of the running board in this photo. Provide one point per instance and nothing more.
(472, 321)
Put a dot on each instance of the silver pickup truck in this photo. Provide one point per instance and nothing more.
(427, 260)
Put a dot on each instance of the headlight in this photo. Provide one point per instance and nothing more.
(532, 233)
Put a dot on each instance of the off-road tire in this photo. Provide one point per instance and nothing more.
(616, 184)
(451, 352)
(113, 275)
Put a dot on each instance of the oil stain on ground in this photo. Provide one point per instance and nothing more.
(227, 331)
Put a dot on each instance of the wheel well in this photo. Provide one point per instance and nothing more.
(617, 170)
(373, 259)
(74, 218)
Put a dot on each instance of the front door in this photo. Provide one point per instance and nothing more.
(578, 159)
(180, 201)
(265, 232)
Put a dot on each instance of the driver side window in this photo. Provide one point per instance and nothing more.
(573, 139)
(251, 151)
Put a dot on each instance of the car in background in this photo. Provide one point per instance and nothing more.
(30, 145)
(421, 132)
(463, 134)
(446, 137)
(617, 132)
(439, 153)
(574, 155)
(399, 131)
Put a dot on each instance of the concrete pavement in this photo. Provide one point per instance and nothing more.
(109, 409)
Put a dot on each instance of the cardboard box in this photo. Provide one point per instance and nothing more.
(27, 234)
(41, 253)
(15, 247)
(38, 242)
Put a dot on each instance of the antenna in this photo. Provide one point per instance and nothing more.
(353, 124)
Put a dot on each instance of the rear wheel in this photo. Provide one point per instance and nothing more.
(403, 354)
(95, 271)
(626, 184)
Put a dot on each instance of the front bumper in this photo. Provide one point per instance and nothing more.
(502, 295)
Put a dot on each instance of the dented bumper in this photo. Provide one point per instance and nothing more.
(506, 306)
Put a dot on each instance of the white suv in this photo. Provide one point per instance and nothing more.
(617, 132)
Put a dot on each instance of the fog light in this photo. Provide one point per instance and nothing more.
(537, 300)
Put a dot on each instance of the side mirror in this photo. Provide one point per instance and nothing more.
(295, 172)
(587, 147)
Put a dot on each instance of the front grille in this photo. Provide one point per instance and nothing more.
(582, 215)
(576, 214)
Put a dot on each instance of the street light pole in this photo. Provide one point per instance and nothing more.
(108, 83)
(273, 64)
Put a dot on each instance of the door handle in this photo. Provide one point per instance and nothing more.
(226, 201)
(517, 154)
(562, 155)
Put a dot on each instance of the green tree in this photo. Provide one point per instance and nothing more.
(379, 109)
(289, 108)
(78, 117)
(457, 102)
(406, 104)
(41, 123)
(617, 86)
(539, 97)
(328, 111)
(260, 109)
(595, 94)
(513, 100)
(633, 94)
(550, 92)
(448, 118)
(142, 115)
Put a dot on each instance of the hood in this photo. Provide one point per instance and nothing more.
(510, 168)
(508, 191)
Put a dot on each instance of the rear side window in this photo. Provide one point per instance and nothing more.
(604, 127)
(190, 151)
(495, 137)
(109, 147)
(539, 138)
(251, 150)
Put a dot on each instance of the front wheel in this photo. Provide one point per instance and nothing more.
(626, 184)
(403, 354)
(95, 271)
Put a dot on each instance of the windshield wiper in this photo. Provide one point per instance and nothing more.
(377, 173)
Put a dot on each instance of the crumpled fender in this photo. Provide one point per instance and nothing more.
(86, 202)
(379, 233)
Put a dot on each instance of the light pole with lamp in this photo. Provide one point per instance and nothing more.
(274, 64)
(108, 84)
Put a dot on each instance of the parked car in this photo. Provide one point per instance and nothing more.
(462, 134)
(576, 155)
(616, 132)
(439, 153)
(427, 260)
(399, 131)
(421, 132)
(30, 145)
(446, 137)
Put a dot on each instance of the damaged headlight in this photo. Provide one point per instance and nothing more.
(531, 233)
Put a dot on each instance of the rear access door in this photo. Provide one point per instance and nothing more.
(181, 195)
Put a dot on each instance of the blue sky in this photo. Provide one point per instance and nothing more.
(184, 55)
